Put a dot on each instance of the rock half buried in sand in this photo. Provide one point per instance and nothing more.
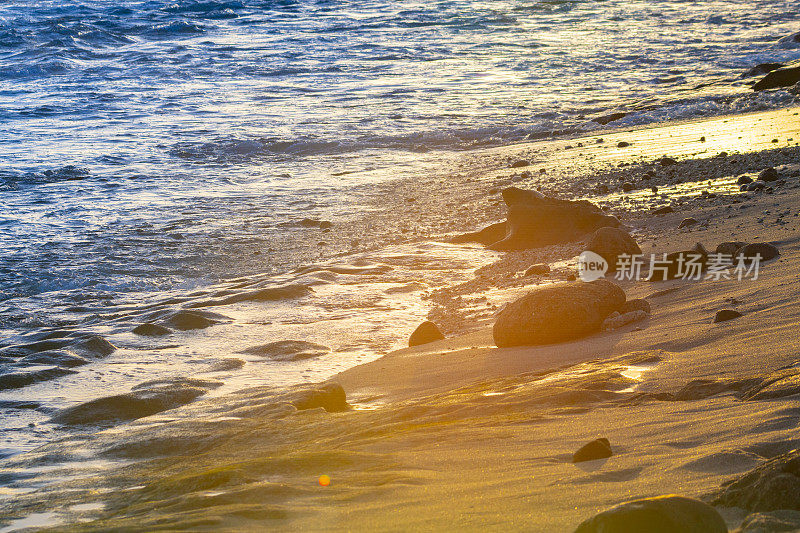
(618, 321)
(763, 249)
(724, 315)
(538, 269)
(535, 220)
(610, 243)
(637, 304)
(686, 222)
(597, 449)
(782, 77)
(144, 400)
(557, 313)
(425, 333)
(773, 485)
(187, 320)
(661, 514)
(23, 377)
(288, 350)
(151, 330)
(330, 397)
(729, 247)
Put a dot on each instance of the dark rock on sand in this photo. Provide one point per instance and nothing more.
(782, 77)
(744, 180)
(288, 350)
(536, 220)
(687, 222)
(312, 223)
(151, 330)
(661, 514)
(768, 487)
(520, 164)
(187, 320)
(768, 174)
(538, 269)
(610, 243)
(667, 161)
(623, 144)
(54, 358)
(144, 400)
(763, 68)
(597, 449)
(425, 333)
(726, 314)
(23, 378)
(611, 117)
(557, 313)
(486, 236)
(676, 264)
(330, 397)
(628, 186)
(729, 247)
(663, 210)
(765, 250)
(756, 186)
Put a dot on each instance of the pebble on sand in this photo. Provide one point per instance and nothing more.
(726, 314)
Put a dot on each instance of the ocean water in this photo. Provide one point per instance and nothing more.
(158, 154)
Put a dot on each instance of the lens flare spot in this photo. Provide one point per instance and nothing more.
(324, 480)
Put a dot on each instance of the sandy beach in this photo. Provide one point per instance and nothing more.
(459, 434)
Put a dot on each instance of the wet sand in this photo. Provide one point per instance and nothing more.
(459, 434)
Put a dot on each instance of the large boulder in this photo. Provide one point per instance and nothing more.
(782, 77)
(610, 243)
(536, 220)
(770, 486)
(557, 313)
(661, 514)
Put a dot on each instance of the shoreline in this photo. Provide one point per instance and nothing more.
(461, 417)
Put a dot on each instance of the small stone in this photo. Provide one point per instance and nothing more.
(663, 210)
(768, 174)
(623, 144)
(687, 222)
(520, 164)
(425, 333)
(726, 314)
(597, 449)
(744, 180)
(538, 269)
(667, 161)
(628, 186)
